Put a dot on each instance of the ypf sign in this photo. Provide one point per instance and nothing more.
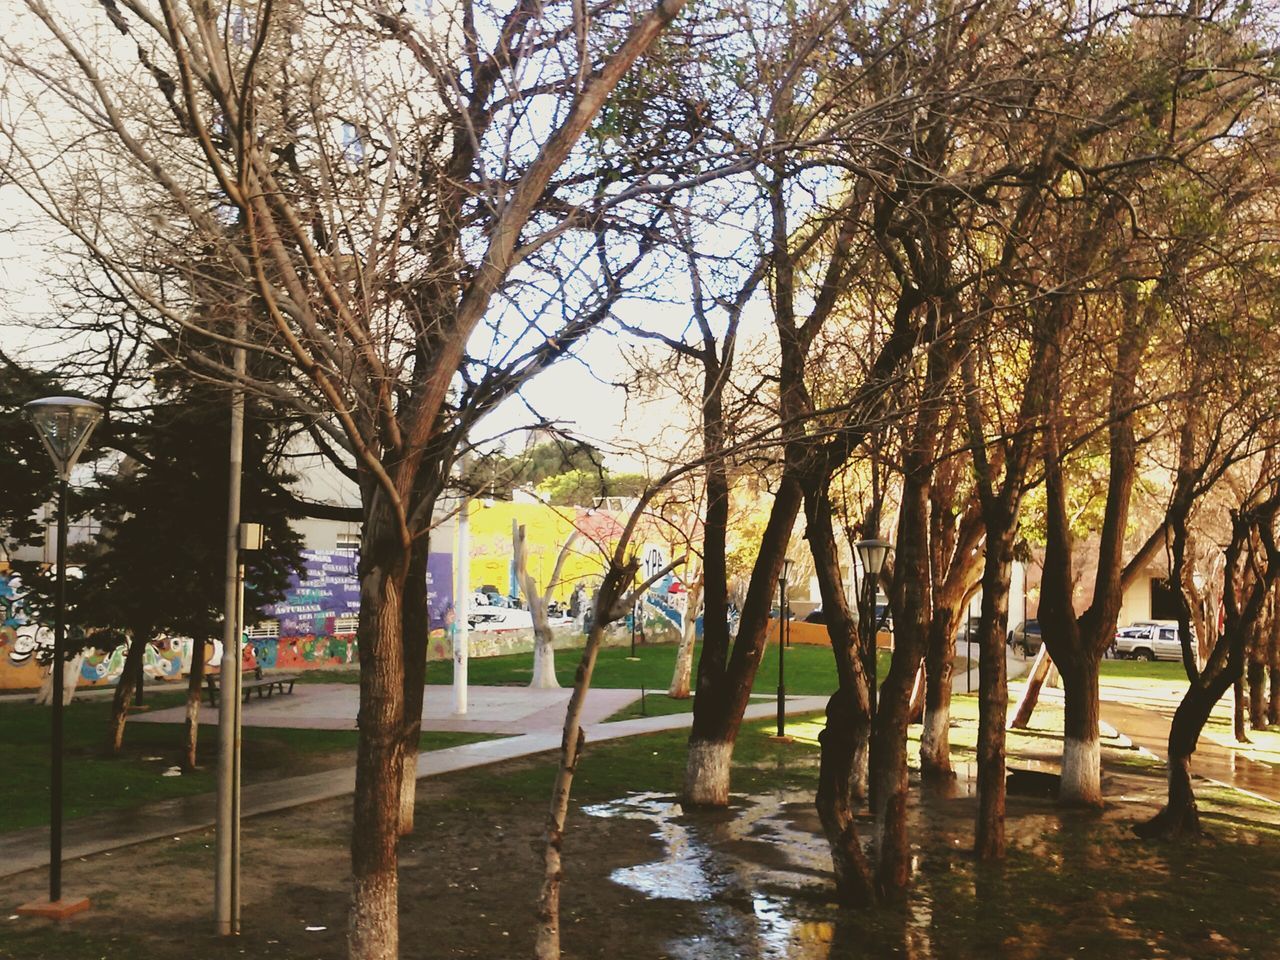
(654, 559)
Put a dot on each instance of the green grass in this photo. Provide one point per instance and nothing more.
(809, 669)
(1160, 670)
(96, 781)
(652, 705)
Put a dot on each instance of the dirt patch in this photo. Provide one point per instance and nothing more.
(647, 879)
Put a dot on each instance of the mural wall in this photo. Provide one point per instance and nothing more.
(317, 614)
(26, 649)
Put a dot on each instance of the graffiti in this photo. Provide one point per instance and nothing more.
(301, 653)
(317, 607)
(22, 641)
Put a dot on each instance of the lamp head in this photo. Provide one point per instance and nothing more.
(787, 566)
(63, 425)
(873, 554)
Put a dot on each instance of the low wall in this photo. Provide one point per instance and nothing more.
(815, 634)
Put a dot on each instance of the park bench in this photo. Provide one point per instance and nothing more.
(266, 686)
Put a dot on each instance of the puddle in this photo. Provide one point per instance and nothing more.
(733, 861)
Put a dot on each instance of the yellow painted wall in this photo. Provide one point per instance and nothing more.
(547, 530)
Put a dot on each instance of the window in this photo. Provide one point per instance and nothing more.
(345, 625)
(264, 630)
(348, 541)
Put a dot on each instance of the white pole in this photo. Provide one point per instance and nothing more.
(461, 601)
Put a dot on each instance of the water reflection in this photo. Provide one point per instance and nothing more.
(736, 863)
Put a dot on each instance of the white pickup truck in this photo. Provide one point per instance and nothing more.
(1149, 640)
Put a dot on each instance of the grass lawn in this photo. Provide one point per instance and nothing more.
(809, 669)
(1156, 670)
(95, 781)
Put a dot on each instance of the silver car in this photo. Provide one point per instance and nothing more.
(1149, 640)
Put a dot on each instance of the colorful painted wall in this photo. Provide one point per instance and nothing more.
(26, 649)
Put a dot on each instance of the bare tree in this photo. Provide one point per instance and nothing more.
(539, 598)
(372, 180)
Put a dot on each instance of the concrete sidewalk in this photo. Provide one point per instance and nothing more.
(506, 711)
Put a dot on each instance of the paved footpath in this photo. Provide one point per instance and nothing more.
(532, 720)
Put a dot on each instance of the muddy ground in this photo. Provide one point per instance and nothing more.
(645, 879)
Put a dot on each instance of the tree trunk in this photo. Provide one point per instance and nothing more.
(1238, 711)
(417, 630)
(1180, 816)
(195, 680)
(915, 710)
(1257, 694)
(843, 754)
(1273, 689)
(911, 610)
(993, 688)
(125, 687)
(70, 678)
(373, 929)
(682, 676)
(935, 737)
(1081, 743)
(544, 658)
(1036, 677)
(547, 933)
(544, 654)
(724, 688)
(847, 721)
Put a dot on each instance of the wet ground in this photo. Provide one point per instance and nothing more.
(645, 878)
(1148, 726)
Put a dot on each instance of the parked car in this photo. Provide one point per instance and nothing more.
(815, 616)
(1149, 640)
(1026, 638)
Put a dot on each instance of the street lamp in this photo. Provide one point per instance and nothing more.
(872, 555)
(787, 563)
(63, 425)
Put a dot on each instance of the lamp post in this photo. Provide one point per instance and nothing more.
(872, 555)
(63, 425)
(782, 625)
(461, 606)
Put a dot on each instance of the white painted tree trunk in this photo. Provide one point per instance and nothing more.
(682, 676)
(706, 773)
(1081, 772)
(373, 931)
(935, 735)
(70, 677)
(544, 657)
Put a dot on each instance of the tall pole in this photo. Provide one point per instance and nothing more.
(461, 602)
(63, 425)
(869, 642)
(238, 701)
(782, 682)
(58, 667)
(224, 887)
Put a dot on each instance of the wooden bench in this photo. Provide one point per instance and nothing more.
(266, 686)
